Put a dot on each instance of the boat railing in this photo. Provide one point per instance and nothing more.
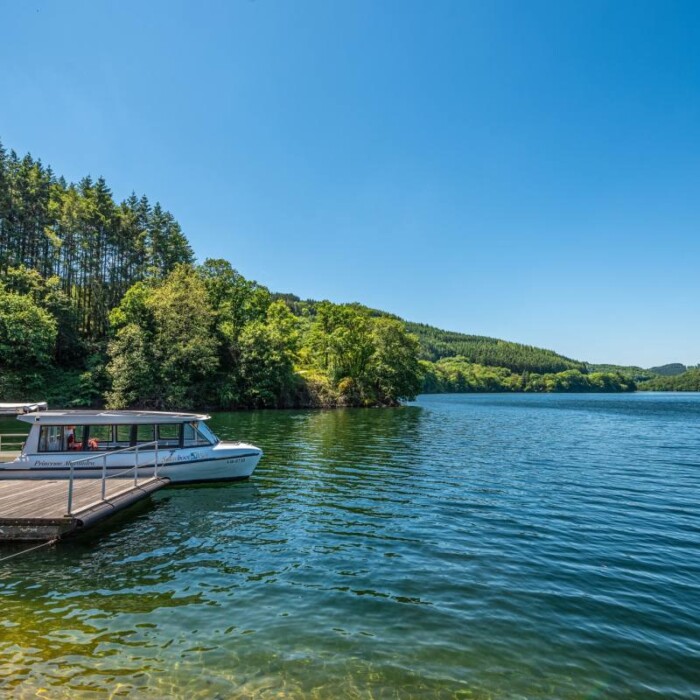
(129, 470)
(12, 441)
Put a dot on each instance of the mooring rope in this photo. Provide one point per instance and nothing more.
(30, 549)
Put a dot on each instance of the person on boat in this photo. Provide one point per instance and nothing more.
(71, 444)
(93, 443)
(70, 438)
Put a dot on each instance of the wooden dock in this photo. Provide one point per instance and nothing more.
(37, 509)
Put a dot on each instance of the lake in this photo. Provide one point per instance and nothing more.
(470, 546)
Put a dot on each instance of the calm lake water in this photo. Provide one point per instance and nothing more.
(472, 546)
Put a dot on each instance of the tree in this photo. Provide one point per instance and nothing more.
(340, 340)
(27, 332)
(165, 354)
(267, 353)
(132, 369)
(395, 372)
(47, 293)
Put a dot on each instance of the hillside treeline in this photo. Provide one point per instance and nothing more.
(458, 375)
(202, 336)
(689, 380)
(101, 303)
(437, 344)
(205, 335)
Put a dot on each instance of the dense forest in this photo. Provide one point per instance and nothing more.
(671, 370)
(457, 374)
(103, 303)
(437, 344)
(689, 380)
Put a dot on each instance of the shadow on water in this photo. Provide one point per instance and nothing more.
(290, 436)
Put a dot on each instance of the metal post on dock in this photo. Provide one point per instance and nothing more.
(104, 475)
(136, 467)
(70, 488)
(155, 464)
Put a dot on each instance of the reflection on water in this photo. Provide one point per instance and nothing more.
(466, 546)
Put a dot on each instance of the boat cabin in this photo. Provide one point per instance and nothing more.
(104, 431)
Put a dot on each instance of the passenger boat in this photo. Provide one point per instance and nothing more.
(92, 444)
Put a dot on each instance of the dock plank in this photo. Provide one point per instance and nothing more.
(34, 509)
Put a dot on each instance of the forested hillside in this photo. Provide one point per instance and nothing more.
(637, 374)
(102, 302)
(671, 370)
(686, 381)
(437, 344)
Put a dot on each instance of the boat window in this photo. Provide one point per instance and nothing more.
(194, 437)
(51, 438)
(122, 433)
(61, 438)
(144, 433)
(101, 438)
(169, 435)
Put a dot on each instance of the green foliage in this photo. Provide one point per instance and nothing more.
(437, 344)
(59, 387)
(671, 370)
(211, 336)
(637, 374)
(688, 381)
(340, 340)
(267, 352)
(459, 375)
(395, 372)
(235, 302)
(77, 235)
(27, 332)
(368, 360)
(69, 348)
(166, 350)
(131, 368)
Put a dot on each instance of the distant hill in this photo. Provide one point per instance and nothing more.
(688, 381)
(638, 374)
(671, 370)
(490, 352)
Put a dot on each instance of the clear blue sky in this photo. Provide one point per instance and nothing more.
(525, 170)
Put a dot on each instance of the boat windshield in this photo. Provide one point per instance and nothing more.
(198, 434)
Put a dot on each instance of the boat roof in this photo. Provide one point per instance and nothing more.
(106, 417)
(23, 407)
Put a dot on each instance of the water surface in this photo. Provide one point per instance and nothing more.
(476, 546)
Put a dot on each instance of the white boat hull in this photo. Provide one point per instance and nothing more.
(220, 462)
